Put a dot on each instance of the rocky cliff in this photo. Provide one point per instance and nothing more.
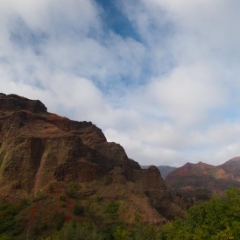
(38, 148)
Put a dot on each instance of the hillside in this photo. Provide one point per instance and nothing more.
(54, 165)
(215, 179)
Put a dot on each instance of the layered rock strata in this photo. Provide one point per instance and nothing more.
(38, 148)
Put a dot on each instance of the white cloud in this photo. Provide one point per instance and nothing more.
(223, 133)
(164, 99)
(143, 152)
(46, 14)
(188, 93)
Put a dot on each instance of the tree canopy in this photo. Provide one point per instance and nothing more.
(217, 219)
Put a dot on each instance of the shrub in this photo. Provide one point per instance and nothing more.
(51, 188)
(7, 215)
(62, 198)
(73, 187)
(60, 217)
(78, 209)
(112, 208)
(76, 231)
(97, 199)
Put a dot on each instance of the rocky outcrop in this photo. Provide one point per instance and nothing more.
(38, 148)
(151, 183)
(14, 102)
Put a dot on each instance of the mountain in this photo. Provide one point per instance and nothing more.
(164, 170)
(43, 154)
(201, 176)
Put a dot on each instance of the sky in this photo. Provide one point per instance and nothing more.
(159, 77)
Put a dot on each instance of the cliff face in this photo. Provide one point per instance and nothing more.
(38, 148)
(215, 179)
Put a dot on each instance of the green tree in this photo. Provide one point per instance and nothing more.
(219, 218)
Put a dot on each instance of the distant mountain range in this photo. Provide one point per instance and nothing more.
(164, 170)
(201, 180)
(214, 179)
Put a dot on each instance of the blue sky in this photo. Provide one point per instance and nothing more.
(159, 77)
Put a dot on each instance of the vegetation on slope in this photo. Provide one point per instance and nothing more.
(63, 216)
(61, 212)
(217, 219)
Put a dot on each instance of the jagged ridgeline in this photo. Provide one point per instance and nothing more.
(201, 180)
(65, 162)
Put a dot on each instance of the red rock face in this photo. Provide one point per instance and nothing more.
(38, 148)
(204, 176)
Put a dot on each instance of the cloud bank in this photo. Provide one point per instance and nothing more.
(159, 77)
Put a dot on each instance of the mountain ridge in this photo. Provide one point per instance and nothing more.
(41, 150)
(216, 179)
